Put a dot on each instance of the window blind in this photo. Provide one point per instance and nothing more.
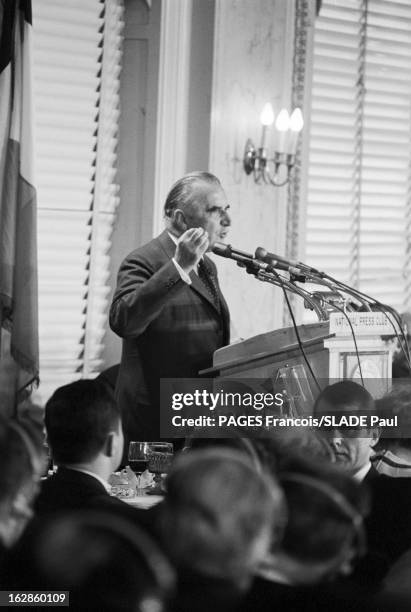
(76, 64)
(359, 153)
(106, 190)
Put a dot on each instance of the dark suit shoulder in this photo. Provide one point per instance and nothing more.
(390, 483)
(157, 250)
(70, 490)
(67, 489)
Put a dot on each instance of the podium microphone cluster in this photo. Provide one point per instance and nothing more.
(262, 259)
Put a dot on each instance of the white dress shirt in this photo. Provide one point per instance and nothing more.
(184, 276)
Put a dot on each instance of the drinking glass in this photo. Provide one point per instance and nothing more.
(138, 457)
(160, 456)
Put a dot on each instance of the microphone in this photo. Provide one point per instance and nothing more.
(276, 261)
(226, 250)
(289, 265)
(241, 257)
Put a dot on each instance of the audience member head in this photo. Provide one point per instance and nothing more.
(105, 562)
(353, 447)
(22, 462)
(198, 200)
(83, 426)
(397, 403)
(275, 450)
(218, 514)
(244, 445)
(324, 531)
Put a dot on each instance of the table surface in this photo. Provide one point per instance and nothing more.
(143, 501)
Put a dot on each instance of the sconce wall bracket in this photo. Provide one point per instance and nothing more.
(256, 162)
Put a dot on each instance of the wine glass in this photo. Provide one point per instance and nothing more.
(138, 457)
(160, 456)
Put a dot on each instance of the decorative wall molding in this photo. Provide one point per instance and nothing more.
(300, 97)
(359, 127)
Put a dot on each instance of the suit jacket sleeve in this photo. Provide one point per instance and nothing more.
(141, 294)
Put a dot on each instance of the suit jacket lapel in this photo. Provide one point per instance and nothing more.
(198, 286)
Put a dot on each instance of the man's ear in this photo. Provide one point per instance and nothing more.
(179, 220)
(376, 433)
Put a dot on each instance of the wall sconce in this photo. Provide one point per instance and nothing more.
(287, 129)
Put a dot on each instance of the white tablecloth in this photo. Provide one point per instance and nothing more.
(143, 501)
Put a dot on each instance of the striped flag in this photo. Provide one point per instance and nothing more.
(19, 362)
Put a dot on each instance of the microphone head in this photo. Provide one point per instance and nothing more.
(260, 253)
(224, 250)
(278, 261)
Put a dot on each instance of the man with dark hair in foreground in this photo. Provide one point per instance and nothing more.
(167, 306)
(85, 436)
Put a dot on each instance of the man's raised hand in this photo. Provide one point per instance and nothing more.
(191, 247)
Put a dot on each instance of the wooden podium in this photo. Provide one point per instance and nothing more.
(329, 347)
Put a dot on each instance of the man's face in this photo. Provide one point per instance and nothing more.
(209, 211)
(352, 453)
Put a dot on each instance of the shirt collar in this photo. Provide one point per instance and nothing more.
(173, 238)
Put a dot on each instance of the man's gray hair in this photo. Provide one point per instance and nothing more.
(182, 191)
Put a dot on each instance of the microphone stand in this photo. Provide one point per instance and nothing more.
(274, 278)
(322, 278)
(267, 273)
(334, 286)
(281, 281)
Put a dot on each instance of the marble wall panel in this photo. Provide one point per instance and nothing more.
(252, 65)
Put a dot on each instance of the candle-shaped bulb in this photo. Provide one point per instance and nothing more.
(282, 125)
(296, 120)
(296, 125)
(283, 121)
(267, 115)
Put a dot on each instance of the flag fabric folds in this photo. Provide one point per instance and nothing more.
(19, 353)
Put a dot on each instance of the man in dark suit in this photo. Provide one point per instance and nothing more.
(353, 450)
(168, 307)
(85, 436)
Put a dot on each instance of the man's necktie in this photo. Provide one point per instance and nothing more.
(209, 281)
